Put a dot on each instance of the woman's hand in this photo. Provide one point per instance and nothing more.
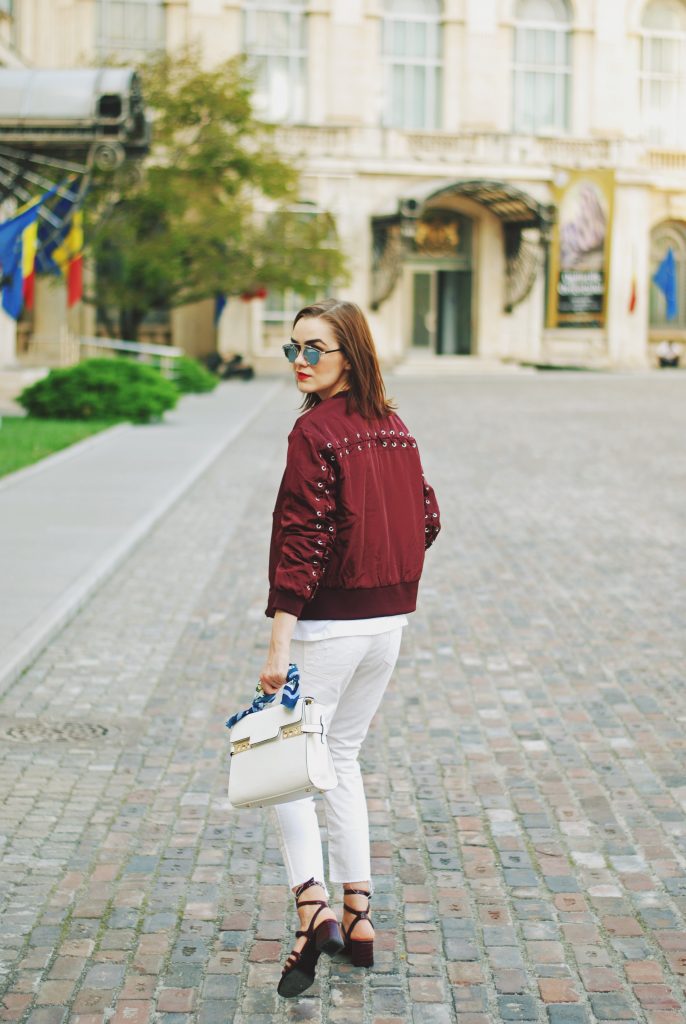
(273, 675)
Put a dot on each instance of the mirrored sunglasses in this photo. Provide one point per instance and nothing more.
(310, 354)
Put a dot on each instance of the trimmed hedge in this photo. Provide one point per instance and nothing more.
(101, 389)
(190, 376)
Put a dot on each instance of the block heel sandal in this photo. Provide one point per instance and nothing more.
(361, 950)
(300, 967)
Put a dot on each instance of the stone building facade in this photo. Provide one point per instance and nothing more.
(505, 175)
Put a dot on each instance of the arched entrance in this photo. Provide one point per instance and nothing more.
(430, 245)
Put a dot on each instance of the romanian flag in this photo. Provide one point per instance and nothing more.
(69, 258)
(29, 245)
(12, 234)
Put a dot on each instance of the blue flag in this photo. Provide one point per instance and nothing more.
(219, 303)
(10, 260)
(665, 278)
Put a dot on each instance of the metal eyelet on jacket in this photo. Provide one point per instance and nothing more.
(384, 444)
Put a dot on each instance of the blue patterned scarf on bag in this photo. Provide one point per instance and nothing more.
(289, 695)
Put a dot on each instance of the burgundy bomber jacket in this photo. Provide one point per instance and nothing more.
(352, 519)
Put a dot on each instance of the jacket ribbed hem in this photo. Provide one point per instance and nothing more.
(365, 603)
(284, 601)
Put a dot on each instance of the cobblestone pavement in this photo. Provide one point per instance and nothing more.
(526, 776)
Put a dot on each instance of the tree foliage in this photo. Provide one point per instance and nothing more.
(212, 209)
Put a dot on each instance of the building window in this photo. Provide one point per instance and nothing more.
(411, 55)
(274, 38)
(542, 67)
(663, 71)
(130, 28)
(666, 236)
(282, 304)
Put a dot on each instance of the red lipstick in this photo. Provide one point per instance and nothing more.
(303, 376)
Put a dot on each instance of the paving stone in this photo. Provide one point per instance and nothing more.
(614, 1006)
(567, 1014)
(532, 853)
(517, 1008)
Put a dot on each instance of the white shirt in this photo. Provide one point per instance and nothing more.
(324, 629)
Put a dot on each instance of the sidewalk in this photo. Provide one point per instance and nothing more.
(70, 520)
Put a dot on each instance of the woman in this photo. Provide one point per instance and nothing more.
(352, 520)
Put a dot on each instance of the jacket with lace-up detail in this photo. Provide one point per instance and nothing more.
(353, 517)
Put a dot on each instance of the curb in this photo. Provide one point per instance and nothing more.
(23, 651)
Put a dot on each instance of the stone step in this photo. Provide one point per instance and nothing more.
(441, 366)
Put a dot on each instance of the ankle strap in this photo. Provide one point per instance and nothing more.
(357, 892)
(307, 885)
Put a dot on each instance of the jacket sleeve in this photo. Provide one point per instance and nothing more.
(307, 524)
(432, 515)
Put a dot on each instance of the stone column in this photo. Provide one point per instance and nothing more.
(8, 340)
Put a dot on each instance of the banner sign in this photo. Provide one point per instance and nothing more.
(580, 250)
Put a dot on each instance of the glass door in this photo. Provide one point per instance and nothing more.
(441, 310)
(453, 329)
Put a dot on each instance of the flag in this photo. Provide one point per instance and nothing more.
(219, 304)
(69, 258)
(11, 258)
(52, 232)
(665, 278)
(633, 294)
(29, 244)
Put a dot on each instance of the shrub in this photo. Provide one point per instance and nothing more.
(101, 389)
(191, 376)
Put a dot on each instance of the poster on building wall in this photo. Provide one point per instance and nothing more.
(580, 251)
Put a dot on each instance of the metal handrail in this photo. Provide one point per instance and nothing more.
(140, 348)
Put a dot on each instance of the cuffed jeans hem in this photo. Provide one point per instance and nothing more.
(310, 862)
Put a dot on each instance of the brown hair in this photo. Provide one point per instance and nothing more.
(366, 390)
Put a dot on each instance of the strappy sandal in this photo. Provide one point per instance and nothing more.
(361, 950)
(299, 970)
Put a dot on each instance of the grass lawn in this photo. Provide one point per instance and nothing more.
(24, 440)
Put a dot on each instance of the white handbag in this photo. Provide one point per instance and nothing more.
(280, 754)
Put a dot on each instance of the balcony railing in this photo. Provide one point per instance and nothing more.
(481, 149)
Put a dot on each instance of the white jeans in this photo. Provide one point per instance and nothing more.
(348, 675)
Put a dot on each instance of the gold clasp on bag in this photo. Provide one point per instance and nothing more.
(239, 746)
(292, 730)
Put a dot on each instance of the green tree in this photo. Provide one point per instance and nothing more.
(212, 208)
